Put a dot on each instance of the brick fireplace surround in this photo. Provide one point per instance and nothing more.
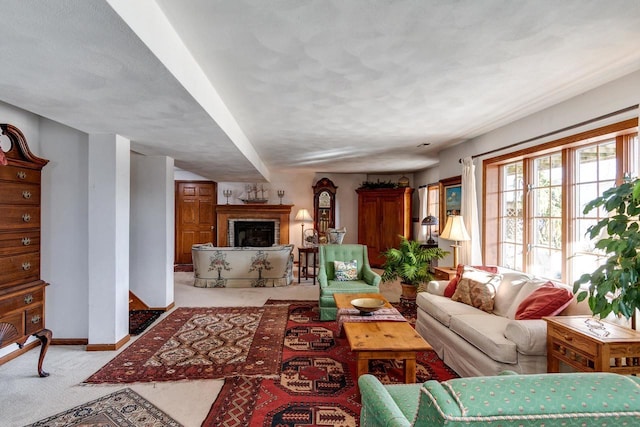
(252, 212)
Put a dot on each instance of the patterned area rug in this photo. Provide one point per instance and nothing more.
(317, 384)
(202, 343)
(124, 408)
(140, 320)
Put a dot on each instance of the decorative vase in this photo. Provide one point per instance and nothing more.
(409, 292)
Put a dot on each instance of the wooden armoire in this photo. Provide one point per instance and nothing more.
(383, 215)
(22, 292)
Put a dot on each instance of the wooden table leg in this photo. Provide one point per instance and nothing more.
(410, 370)
(45, 338)
(363, 365)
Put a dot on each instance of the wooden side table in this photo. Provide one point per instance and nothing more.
(444, 273)
(590, 345)
(304, 271)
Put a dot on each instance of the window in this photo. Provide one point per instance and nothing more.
(535, 199)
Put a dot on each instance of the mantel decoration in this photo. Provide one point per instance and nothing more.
(614, 287)
(410, 263)
(255, 194)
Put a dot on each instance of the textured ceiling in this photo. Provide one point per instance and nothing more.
(322, 86)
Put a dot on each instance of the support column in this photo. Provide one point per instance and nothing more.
(152, 230)
(109, 160)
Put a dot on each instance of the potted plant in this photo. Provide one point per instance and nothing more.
(614, 287)
(410, 263)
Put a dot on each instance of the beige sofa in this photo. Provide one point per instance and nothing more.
(477, 343)
(242, 267)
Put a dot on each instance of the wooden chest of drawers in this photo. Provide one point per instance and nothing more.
(22, 292)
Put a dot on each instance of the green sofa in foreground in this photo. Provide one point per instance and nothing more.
(506, 400)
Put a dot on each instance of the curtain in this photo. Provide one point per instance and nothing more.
(470, 251)
(422, 197)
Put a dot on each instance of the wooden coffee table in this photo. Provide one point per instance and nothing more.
(382, 340)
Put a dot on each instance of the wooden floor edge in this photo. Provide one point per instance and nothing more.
(18, 352)
(109, 347)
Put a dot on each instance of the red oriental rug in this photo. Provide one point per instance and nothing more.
(317, 384)
(203, 343)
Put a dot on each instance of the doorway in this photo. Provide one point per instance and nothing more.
(196, 203)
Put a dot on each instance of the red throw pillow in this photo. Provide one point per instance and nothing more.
(547, 300)
(453, 283)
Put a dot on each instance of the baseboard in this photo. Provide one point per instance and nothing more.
(109, 347)
(19, 352)
(69, 341)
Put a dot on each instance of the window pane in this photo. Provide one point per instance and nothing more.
(556, 170)
(541, 200)
(541, 232)
(583, 242)
(555, 233)
(541, 171)
(607, 161)
(584, 194)
(556, 201)
(547, 263)
(587, 164)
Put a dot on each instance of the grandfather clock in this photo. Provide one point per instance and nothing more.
(324, 207)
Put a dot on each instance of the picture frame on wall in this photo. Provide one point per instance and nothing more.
(450, 198)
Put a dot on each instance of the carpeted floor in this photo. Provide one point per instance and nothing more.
(123, 408)
(316, 385)
(140, 320)
(202, 343)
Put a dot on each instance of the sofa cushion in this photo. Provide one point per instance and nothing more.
(453, 283)
(346, 270)
(507, 292)
(477, 288)
(526, 289)
(486, 332)
(442, 308)
(547, 300)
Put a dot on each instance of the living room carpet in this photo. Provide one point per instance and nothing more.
(316, 385)
(140, 320)
(123, 408)
(202, 343)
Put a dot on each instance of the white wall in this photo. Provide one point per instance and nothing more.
(151, 238)
(64, 260)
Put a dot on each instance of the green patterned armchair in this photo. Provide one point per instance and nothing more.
(593, 399)
(367, 281)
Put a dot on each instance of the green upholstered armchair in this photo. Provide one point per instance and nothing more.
(367, 280)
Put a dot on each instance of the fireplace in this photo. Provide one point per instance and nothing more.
(257, 233)
(228, 215)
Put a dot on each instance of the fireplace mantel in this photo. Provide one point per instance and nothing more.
(255, 211)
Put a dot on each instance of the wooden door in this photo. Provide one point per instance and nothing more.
(195, 216)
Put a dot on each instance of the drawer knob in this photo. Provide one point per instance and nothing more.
(26, 241)
(21, 174)
(35, 319)
(26, 217)
(568, 338)
(26, 266)
(26, 194)
(28, 299)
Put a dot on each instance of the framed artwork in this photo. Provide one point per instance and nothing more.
(450, 198)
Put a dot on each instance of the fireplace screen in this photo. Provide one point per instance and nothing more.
(254, 233)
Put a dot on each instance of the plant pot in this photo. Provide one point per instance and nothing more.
(409, 292)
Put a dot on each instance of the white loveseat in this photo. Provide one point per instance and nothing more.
(242, 267)
(477, 343)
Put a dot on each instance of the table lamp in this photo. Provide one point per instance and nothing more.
(304, 216)
(429, 221)
(455, 230)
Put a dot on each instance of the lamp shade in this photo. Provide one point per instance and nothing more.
(454, 229)
(430, 220)
(304, 216)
